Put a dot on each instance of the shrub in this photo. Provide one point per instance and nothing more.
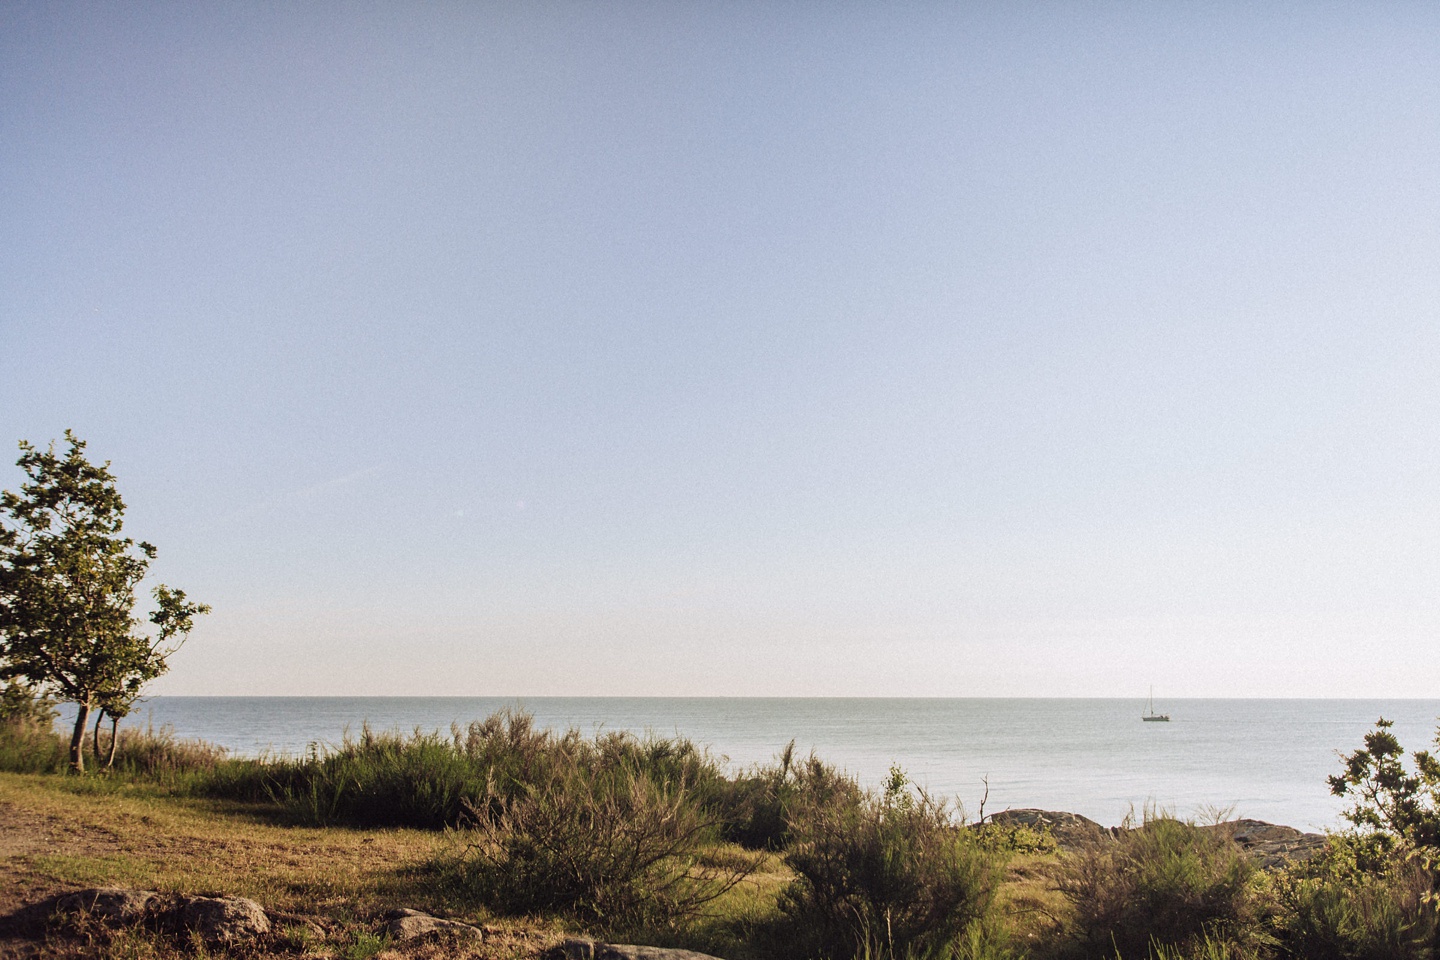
(607, 843)
(427, 780)
(22, 706)
(1391, 801)
(752, 806)
(885, 875)
(1163, 884)
(1356, 901)
(28, 743)
(757, 807)
(383, 779)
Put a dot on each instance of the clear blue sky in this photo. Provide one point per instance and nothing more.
(787, 348)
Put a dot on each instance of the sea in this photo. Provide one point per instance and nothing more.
(1266, 759)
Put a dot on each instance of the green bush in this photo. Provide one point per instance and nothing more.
(1163, 884)
(28, 742)
(757, 807)
(890, 875)
(1356, 901)
(1397, 804)
(21, 705)
(383, 779)
(606, 842)
(430, 781)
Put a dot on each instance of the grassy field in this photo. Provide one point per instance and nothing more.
(61, 833)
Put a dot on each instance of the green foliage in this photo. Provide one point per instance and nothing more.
(757, 807)
(1357, 900)
(430, 781)
(23, 706)
(1206, 947)
(1391, 801)
(141, 754)
(890, 875)
(1013, 838)
(163, 757)
(67, 589)
(382, 780)
(28, 743)
(364, 945)
(1164, 884)
(605, 841)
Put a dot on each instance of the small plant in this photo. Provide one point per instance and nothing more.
(364, 946)
(889, 875)
(1206, 947)
(1163, 884)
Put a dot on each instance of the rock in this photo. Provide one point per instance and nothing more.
(1272, 844)
(116, 904)
(223, 919)
(1248, 832)
(1068, 829)
(406, 924)
(591, 950)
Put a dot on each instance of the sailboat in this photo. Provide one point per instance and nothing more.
(1150, 715)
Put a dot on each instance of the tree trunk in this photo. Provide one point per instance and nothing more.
(95, 740)
(114, 739)
(77, 739)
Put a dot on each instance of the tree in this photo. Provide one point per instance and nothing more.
(1391, 802)
(67, 589)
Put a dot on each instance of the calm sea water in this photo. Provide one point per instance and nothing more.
(1266, 759)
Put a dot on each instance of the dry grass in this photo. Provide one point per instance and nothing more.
(56, 834)
(1030, 899)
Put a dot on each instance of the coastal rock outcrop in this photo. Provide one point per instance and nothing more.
(1272, 844)
(576, 949)
(1068, 829)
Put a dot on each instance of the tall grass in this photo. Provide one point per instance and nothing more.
(428, 780)
(29, 744)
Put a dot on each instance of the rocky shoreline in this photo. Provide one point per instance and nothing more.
(1271, 844)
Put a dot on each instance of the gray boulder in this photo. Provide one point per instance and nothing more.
(591, 950)
(406, 924)
(223, 919)
(1272, 844)
(114, 904)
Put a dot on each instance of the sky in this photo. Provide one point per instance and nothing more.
(767, 349)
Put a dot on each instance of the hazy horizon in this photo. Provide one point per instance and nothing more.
(768, 350)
